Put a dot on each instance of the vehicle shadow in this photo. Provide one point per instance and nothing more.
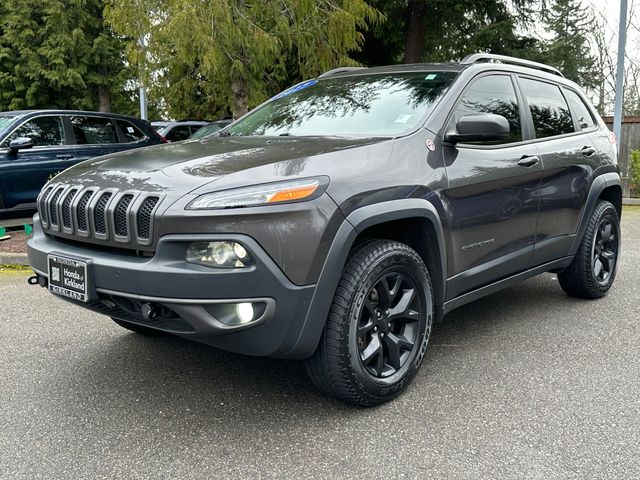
(135, 378)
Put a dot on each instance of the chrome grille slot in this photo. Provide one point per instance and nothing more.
(66, 208)
(99, 216)
(100, 213)
(143, 218)
(120, 215)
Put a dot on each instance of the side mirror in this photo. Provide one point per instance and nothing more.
(20, 143)
(481, 127)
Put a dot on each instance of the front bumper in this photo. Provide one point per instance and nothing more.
(185, 295)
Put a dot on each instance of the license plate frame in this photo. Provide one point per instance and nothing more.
(68, 277)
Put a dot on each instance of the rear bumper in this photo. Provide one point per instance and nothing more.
(187, 297)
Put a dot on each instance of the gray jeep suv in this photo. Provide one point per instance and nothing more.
(342, 218)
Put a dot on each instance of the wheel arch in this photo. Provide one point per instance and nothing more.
(384, 220)
(607, 186)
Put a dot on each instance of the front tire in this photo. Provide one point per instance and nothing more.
(378, 327)
(593, 269)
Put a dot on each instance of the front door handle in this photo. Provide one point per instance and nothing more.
(587, 151)
(528, 161)
(64, 156)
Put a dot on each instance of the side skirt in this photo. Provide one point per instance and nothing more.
(504, 283)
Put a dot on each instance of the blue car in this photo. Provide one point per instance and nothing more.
(36, 145)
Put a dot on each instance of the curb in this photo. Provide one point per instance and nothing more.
(14, 259)
(631, 201)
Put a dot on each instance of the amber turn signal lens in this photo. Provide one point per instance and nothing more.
(295, 193)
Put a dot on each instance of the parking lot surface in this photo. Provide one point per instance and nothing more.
(526, 383)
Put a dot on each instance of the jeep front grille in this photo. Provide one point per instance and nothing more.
(92, 214)
(144, 216)
(120, 215)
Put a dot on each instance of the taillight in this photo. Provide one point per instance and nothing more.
(613, 139)
(158, 136)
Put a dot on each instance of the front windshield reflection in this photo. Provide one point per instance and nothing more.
(362, 105)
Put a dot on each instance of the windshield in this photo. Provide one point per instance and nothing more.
(207, 130)
(364, 105)
(5, 121)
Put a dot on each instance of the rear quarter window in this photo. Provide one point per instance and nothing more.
(130, 131)
(580, 110)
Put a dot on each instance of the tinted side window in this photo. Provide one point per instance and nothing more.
(177, 133)
(580, 110)
(492, 94)
(130, 131)
(44, 131)
(548, 108)
(94, 131)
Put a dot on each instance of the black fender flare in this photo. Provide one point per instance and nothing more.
(599, 184)
(352, 226)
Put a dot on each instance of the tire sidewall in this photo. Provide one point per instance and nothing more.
(408, 263)
(608, 212)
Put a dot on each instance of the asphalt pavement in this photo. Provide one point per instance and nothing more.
(526, 383)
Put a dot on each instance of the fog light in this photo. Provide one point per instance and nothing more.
(244, 312)
(218, 254)
(236, 314)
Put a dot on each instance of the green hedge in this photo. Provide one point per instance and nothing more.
(634, 172)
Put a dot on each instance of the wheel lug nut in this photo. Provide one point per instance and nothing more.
(382, 334)
(378, 314)
(375, 329)
(386, 312)
(389, 325)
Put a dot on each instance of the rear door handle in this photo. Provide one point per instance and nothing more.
(64, 156)
(528, 161)
(587, 151)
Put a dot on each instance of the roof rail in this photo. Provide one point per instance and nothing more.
(488, 57)
(338, 70)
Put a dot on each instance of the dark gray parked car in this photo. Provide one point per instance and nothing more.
(338, 221)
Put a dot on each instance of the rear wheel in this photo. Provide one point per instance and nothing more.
(593, 270)
(134, 327)
(378, 326)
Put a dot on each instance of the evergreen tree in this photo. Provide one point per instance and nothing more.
(60, 54)
(208, 58)
(569, 49)
(446, 30)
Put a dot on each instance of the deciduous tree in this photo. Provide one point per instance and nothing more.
(207, 58)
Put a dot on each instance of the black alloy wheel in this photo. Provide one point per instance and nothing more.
(605, 252)
(388, 326)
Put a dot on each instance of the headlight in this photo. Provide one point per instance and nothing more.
(265, 194)
(218, 254)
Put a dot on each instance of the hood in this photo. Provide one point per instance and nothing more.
(188, 165)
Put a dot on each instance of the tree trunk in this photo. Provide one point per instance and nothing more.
(416, 31)
(104, 97)
(240, 96)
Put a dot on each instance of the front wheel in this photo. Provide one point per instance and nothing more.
(593, 269)
(378, 326)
